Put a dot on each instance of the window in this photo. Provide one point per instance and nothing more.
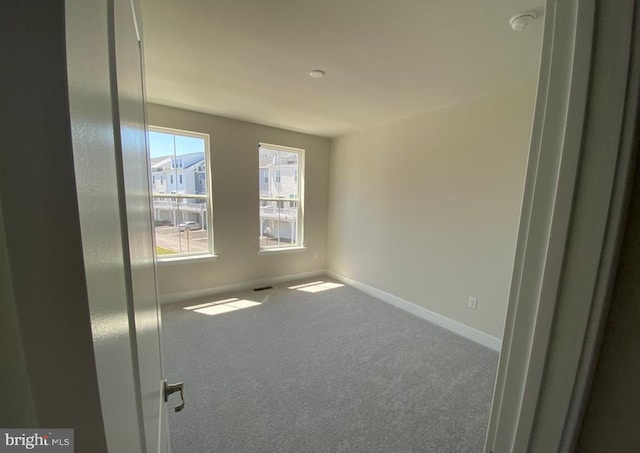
(182, 215)
(281, 223)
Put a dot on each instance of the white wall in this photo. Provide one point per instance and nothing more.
(427, 208)
(234, 149)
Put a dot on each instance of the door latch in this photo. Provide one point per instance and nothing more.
(173, 388)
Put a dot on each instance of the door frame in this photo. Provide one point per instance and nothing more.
(574, 205)
(91, 34)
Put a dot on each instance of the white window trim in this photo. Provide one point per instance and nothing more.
(183, 259)
(277, 250)
(299, 244)
(190, 257)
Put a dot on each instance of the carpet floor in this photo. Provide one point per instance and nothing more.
(322, 368)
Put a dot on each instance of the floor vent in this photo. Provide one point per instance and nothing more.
(263, 288)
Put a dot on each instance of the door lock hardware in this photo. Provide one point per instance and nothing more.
(173, 388)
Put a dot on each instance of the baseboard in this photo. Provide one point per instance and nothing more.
(442, 321)
(170, 298)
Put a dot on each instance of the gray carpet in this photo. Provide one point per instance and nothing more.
(330, 371)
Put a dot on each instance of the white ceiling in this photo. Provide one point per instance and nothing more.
(384, 59)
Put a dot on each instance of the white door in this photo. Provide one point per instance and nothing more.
(143, 300)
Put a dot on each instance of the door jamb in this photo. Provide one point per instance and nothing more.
(576, 185)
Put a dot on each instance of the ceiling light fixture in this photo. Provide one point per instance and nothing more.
(317, 73)
(520, 21)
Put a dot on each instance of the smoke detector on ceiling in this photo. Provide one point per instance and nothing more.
(520, 21)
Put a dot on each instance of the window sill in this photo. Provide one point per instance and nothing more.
(186, 259)
(273, 251)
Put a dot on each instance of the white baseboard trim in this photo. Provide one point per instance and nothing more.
(170, 298)
(442, 321)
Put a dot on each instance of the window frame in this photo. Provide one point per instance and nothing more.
(300, 181)
(208, 197)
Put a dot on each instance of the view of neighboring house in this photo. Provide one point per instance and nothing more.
(179, 186)
(181, 175)
(279, 196)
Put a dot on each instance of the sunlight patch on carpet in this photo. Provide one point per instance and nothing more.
(316, 287)
(222, 306)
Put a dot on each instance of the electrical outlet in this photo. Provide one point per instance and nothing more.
(315, 256)
(473, 302)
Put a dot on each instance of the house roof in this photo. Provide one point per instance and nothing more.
(188, 161)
